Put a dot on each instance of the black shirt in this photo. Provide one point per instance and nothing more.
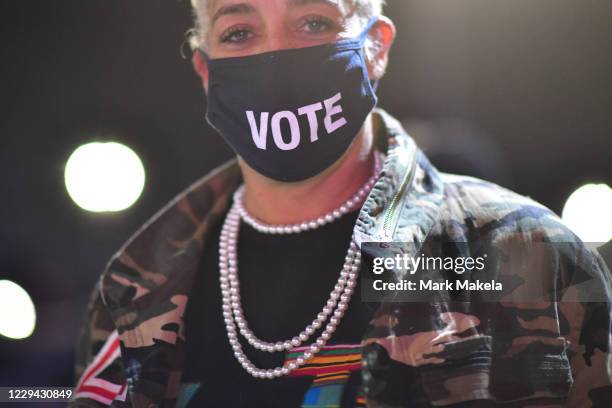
(285, 280)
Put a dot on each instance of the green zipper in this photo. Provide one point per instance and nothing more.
(406, 181)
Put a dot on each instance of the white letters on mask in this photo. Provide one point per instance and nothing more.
(260, 132)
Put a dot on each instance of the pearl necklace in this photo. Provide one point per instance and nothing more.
(335, 306)
(333, 215)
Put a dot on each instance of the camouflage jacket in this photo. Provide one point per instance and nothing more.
(509, 353)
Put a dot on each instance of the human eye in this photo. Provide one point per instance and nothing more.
(236, 35)
(317, 25)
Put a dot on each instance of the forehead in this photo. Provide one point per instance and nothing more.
(212, 6)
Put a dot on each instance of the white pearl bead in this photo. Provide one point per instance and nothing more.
(330, 328)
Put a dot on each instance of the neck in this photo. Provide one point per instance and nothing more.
(274, 202)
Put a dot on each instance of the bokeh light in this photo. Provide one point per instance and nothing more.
(588, 212)
(104, 177)
(17, 313)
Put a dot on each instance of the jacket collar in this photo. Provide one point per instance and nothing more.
(146, 284)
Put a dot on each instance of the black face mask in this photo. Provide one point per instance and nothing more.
(291, 114)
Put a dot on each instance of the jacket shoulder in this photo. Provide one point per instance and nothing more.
(478, 208)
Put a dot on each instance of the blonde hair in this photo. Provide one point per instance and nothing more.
(197, 35)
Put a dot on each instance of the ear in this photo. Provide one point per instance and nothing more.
(380, 39)
(201, 67)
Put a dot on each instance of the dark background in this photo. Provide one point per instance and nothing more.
(518, 92)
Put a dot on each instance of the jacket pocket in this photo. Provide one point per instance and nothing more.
(481, 368)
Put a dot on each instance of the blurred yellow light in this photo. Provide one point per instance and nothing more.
(588, 212)
(17, 313)
(104, 177)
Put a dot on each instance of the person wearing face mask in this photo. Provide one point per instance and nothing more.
(244, 290)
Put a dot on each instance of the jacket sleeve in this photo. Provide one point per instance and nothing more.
(99, 376)
(521, 351)
(590, 338)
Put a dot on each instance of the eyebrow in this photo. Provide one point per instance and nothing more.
(231, 9)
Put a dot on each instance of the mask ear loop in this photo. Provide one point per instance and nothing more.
(364, 34)
(362, 39)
